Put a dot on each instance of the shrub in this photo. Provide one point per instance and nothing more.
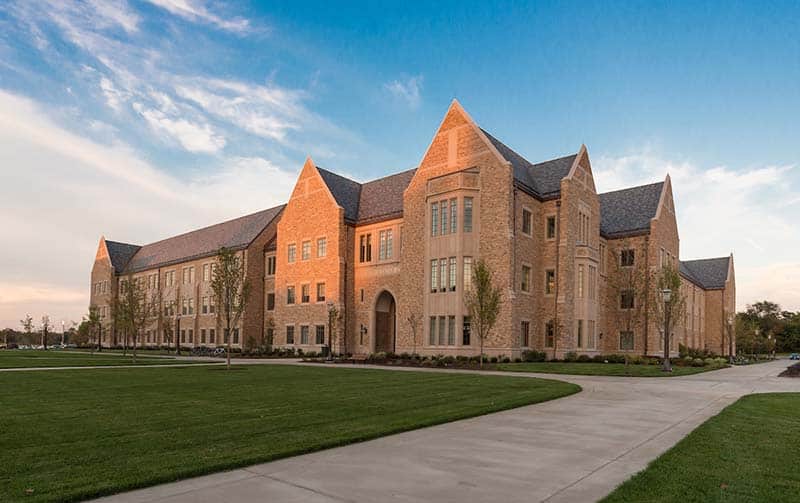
(448, 360)
(493, 359)
(709, 361)
(584, 358)
(720, 361)
(404, 356)
(697, 362)
(462, 358)
(517, 360)
(534, 356)
(571, 356)
(507, 359)
(598, 358)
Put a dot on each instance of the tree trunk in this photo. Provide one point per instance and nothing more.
(480, 361)
(230, 336)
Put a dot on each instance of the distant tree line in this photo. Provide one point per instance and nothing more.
(765, 328)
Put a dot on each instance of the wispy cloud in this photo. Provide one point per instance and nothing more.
(198, 138)
(407, 90)
(722, 210)
(197, 11)
(112, 190)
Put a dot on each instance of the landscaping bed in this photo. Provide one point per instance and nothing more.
(792, 371)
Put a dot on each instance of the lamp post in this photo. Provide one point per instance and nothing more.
(666, 294)
(331, 315)
(731, 319)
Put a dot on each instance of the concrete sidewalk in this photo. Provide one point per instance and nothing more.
(574, 449)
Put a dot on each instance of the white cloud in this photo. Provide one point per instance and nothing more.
(198, 138)
(61, 191)
(753, 212)
(196, 11)
(114, 97)
(407, 90)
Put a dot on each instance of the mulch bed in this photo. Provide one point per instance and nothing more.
(793, 371)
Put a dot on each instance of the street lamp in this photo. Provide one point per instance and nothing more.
(731, 319)
(666, 294)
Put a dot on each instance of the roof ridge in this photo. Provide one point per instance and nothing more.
(631, 188)
(553, 159)
(121, 243)
(213, 225)
(338, 175)
(389, 176)
(726, 257)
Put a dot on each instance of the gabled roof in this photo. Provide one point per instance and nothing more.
(708, 273)
(628, 211)
(236, 234)
(370, 201)
(120, 253)
(542, 179)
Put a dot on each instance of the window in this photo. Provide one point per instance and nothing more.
(602, 258)
(434, 219)
(580, 333)
(206, 272)
(204, 307)
(306, 250)
(169, 278)
(432, 332)
(626, 299)
(445, 217)
(549, 334)
(626, 341)
(591, 336)
(290, 334)
(183, 335)
(365, 248)
(524, 334)
(270, 335)
(290, 295)
(583, 228)
(452, 274)
(322, 247)
(525, 285)
(580, 281)
(212, 305)
(526, 222)
(191, 336)
(212, 336)
(320, 292)
(663, 255)
(236, 336)
(385, 244)
(453, 215)
(271, 265)
(202, 336)
(451, 330)
(271, 301)
(291, 253)
(443, 275)
(467, 214)
(191, 306)
(442, 333)
(305, 293)
(466, 331)
(434, 275)
(467, 273)
(320, 334)
(550, 228)
(592, 282)
(188, 275)
(303, 334)
(549, 282)
(626, 258)
(184, 307)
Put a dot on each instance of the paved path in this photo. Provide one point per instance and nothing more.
(574, 449)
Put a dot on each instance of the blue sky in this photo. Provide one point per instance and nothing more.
(139, 119)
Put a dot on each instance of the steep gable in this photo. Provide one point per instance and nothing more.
(708, 273)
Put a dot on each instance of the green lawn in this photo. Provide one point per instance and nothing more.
(602, 369)
(747, 453)
(80, 433)
(20, 358)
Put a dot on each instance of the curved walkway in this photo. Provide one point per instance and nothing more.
(572, 449)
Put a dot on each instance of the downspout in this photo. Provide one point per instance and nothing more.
(646, 289)
(556, 330)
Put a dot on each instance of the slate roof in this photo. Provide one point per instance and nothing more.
(628, 211)
(236, 234)
(542, 179)
(709, 273)
(370, 201)
(120, 253)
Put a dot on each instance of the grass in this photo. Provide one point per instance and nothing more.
(84, 433)
(747, 453)
(20, 358)
(602, 369)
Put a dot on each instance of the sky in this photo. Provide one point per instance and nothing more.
(141, 119)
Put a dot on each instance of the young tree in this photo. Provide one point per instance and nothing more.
(27, 324)
(231, 291)
(45, 330)
(134, 309)
(333, 318)
(6, 332)
(666, 312)
(482, 300)
(629, 287)
(93, 325)
(414, 322)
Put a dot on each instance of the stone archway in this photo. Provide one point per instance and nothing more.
(385, 322)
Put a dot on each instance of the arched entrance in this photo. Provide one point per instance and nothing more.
(385, 323)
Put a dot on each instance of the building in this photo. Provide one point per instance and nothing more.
(393, 257)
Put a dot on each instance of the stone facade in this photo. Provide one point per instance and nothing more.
(392, 258)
